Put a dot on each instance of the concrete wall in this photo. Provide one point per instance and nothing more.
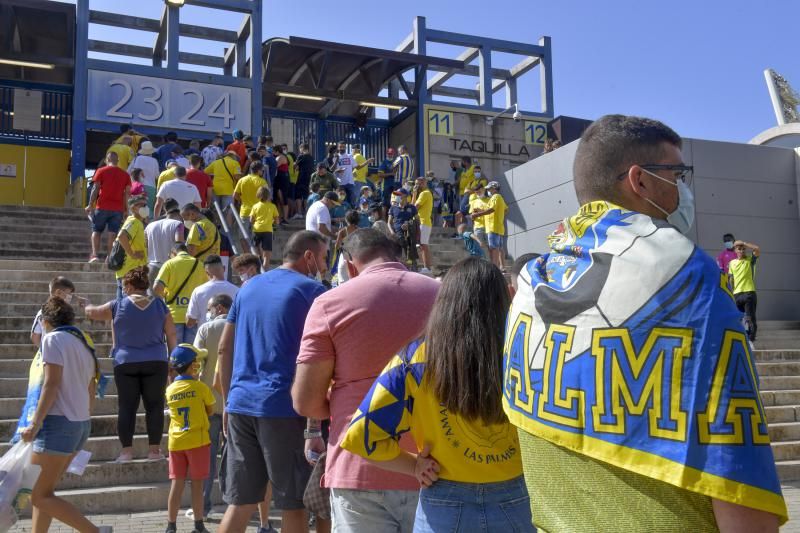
(405, 133)
(748, 190)
(42, 178)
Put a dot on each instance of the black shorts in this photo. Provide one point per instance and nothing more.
(259, 450)
(263, 239)
(302, 189)
(281, 184)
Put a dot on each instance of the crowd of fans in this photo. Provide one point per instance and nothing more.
(379, 404)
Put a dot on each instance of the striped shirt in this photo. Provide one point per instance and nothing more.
(405, 167)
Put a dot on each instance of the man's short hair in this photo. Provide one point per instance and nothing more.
(466, 159)
(179, 247)
(171, 137)
(246, 260)
(609, 146)
(171, 206)
(728, 237)
(221, 299)
(212, 260)
(190, 208)
(367, 244)
(180, 172)
(195, 159)
(300, 242)
(60, 282)
(256, 166)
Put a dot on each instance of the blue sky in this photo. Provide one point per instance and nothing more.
(697, 65)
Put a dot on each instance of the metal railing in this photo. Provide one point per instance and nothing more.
(243, 231)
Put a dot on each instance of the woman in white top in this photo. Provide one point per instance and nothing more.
(61, 423)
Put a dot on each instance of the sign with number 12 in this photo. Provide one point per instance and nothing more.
(535, 132)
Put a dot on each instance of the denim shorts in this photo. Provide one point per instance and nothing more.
(495, 240)
(224, 201)
(103, 218)
(474, 507)
(61, 436)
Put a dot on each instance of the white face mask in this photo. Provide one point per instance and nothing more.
(210, 316)
(372, 220)
(729, 245)
(188, 223)
(68, 298)
(318, 275)
(478, 174)
(144, 211)
(683, 216)
(244, 276)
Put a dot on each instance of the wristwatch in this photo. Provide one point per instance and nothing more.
(312, 434)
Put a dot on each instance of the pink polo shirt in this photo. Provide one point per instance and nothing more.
(362, 324)
(724, 258)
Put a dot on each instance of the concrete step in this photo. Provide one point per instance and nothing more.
(21, 336)
(786, 450)
(24, 322)
(105, 474)
(781, 368)
(787, 397)
(766, 356)
(788, 469)
(782, 413)
(105, 449)
(784, 431)
(55, 250)
(102, 426)
(775, 383)
(40, 298)
(13, 253)
(51, 265)
(26, 350)
(764, 325)
(17, 386)
(11, 407)
(22, 281)
(778, 343)
(20, 367)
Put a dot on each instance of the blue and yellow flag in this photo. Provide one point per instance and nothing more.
(624, 344)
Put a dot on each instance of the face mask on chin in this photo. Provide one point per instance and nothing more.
(729, 245)
(683, 216)
(188, 223)
(318, 275)
(210, 316)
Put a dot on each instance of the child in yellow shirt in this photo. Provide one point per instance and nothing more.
(263, 215)
(190, 402)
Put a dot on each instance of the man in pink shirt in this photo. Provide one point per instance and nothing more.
(727, 255)
(350, 334)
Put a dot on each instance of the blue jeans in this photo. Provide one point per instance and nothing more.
(185, 334)
(474, 507)
(60, 436)
(215, 433)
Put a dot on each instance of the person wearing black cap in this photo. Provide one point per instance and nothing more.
(161, 235)
(216, 284)
(401, 221)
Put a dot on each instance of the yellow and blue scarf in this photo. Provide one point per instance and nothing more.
(624, 344)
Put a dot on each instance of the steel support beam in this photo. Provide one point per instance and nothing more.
(299, 71)
(406, 45)
(131, 50)
(173, 37)
(144, 70)
(339, 95)
(161, 40)
(256, 73)
(421, 38)
(498, 45)
(546, 77)
(80, 87)
(152, 25)
(242, 6)
(485, 76)
(466, 56)
(452, 92)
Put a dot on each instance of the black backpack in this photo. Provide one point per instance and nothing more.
(116, 258)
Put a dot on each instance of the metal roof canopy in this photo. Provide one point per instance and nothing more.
(37, 31)
(335, 77)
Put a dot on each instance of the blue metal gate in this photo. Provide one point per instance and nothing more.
(56, 115)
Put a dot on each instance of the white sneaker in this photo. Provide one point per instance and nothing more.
(189, 513)
(425, 270)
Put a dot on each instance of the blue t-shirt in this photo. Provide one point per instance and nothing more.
(363, 220)
(269, 313)
(471, 245)
(164, 153)
(313, 197)
(272, 164)
(386, 168)
(138, 333)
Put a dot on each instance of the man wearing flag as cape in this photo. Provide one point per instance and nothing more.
(626, 367)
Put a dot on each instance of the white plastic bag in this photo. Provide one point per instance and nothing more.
(12, 470)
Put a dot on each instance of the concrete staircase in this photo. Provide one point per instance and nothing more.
(37, 244)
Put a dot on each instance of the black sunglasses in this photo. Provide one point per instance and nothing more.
(683, 173)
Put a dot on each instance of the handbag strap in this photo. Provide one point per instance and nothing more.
(210, 246)
(194, 266)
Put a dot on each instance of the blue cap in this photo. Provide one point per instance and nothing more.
(185, 353)
(238, 134)
(400, 192)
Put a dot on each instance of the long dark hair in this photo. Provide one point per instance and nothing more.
(464, 341)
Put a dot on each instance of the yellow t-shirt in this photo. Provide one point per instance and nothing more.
(263, 215)
(293, 172)
(360, 175)
(247, 187)
(478, 203)
(167, 175)
(187, 399)
(223, 170)
(172, 274)
(468, 451)
(744, 274)
(494, 221)
(124, 155)
(202, 235)
(424, 205)
(466, 178)
(135, 230)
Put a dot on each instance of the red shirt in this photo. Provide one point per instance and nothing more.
(202, 181)
(240, 149)
(112, 181)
